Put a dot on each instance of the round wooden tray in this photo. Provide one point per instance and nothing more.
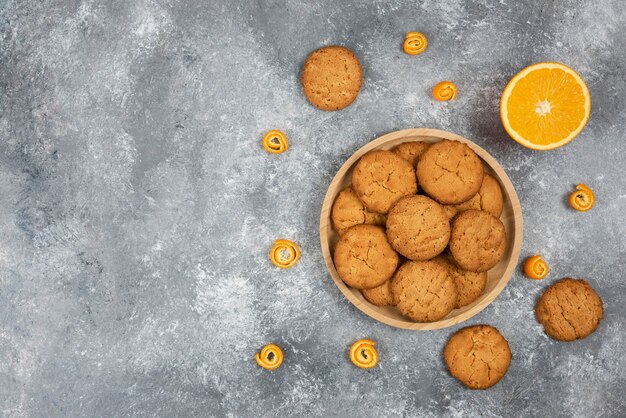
(498, 276)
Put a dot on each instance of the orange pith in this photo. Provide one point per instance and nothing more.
(545, 106)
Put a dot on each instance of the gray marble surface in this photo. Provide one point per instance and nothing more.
(137, 205)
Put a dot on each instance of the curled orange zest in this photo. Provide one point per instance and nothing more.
(284, 253)
(444, 91)
(363, 354)
(415, 43)
(535, 267)
(275, 142)
(582, 199)
(270, 357)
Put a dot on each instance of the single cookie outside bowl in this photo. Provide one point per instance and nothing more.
(489, 198)
(423, 290)
(418, 228)
(569, 310)
(363, 257)
(411, 151)
(477, 356)
(349, 211)
(469, 284)
(381, 178)
(450, 172)
(331, 77)
(477, 241)
(379, 296)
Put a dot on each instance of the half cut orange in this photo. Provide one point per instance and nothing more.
(545, 106)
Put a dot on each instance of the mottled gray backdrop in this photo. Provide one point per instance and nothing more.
(137, 205)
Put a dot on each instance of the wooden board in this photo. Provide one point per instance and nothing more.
(498, 276)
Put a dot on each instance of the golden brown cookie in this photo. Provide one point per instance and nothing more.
(379, 296)
(423, 290)
(349, 211)
(478, 356)
(489, 198)
(411, 151)
(331, 77)
(569, 310)
(381, 178)
(478, 240)
(418, 228)
(450, 172)
(470, 285)
(363, 257)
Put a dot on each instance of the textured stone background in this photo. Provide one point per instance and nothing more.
(137, 205)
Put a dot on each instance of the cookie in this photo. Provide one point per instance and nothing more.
(349, 211)
(478, 240)
(569, 310)
(477, 356)
(423, 290)
(418, 228)
(363, 257)
(469, 285)
(450, 172)
(381, 178)
(331, 77)
(379, 296)
(489, 198)
(411, 151)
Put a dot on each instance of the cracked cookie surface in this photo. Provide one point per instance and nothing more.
(331, 77)
(349, 211)
(411, 151)
(489, 198)
(363, 257)
(470, 285)
(381, 178)
(379, 296)
(450, 172)
(418, 228)
(569, 310)
(423, 290)
(478, 240)
(478, 356)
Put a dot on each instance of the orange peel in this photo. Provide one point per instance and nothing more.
(415, 43)
(275, 142)
(363, 354)
(284, 253)
(270, 357)
(444, 91)
(583, 198)
(535, 267)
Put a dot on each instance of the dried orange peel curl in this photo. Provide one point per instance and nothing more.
(415, 43)
(363, 354)
(535, 267)
(444, 91)
(284, 253)
(270, 357)
(275, 142)
(582, 199)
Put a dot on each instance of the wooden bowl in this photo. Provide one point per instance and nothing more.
(498, 276)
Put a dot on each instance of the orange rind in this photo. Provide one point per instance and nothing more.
(270, 357)
(363, 354)
(284, 253)
(275, 142)
(415, 43)
(444, 91)
(535, 267)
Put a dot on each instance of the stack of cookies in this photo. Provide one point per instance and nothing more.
(419, 228)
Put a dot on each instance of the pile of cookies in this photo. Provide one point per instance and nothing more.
(419, 228)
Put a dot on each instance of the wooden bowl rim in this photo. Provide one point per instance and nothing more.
(326, 226)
